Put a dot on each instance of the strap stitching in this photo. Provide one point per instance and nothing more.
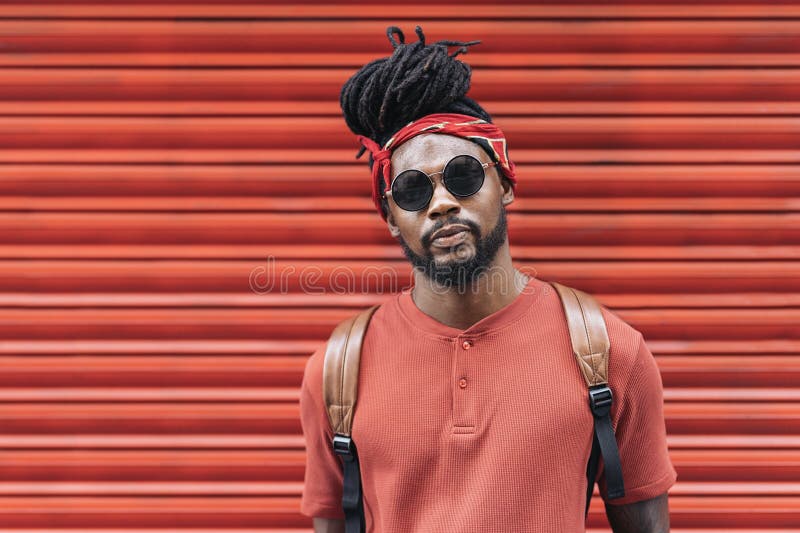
(341, 384)
(588, 338)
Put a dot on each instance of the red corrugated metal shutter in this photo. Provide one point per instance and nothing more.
(150, 172)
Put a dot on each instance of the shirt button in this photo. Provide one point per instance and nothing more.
(462, 383)
(466, 345)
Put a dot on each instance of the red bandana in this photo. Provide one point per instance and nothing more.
(486, 134)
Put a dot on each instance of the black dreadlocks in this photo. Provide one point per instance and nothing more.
(416, 80)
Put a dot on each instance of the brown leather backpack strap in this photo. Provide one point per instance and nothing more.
(340, 370)
(590, 344)
(340, 391)
(587, 331)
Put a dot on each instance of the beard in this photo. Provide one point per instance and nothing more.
(462, 272)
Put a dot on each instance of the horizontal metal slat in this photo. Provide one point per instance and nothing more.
(285, 488)
(209, 466)
(129, 528)
(154, 488)
(733, 371)
(153, 441)
(111, 392)
(153, 511)
(248, 133)
(331, 108)
(304, 347)
(561, 85)
(695, 467)
(263, 275)
(672, 324)
(737, 371)
(301, 530)
(354, 60)
(704, 418)
(732, 36)
(286, 228)
(383, 252)
(360, 10)
(767, 441)
(180, 156)
(222, 370)
(150, 418)
(300, 300)
(273, 179)
(268, 393)
(184, 511)
(311, 203)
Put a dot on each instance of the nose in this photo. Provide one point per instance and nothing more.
(442, 203)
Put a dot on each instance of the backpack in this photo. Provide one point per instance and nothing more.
(590, 344)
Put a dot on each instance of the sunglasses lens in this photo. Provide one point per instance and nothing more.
(464, 175)
(412, 190)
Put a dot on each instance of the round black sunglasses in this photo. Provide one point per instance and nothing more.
(463, 176)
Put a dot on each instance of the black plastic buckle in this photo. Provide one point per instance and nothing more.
(343, 446)
(600, 400)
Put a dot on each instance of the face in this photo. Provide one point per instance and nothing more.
(456, 261)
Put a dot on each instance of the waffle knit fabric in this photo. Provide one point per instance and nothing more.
(484, 429)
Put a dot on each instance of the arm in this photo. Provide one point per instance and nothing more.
(641, 436)
(323, 479)
(328, 525)
(647, 516)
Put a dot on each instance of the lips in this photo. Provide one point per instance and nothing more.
(451, 240)
(450, 236)
(449, 230)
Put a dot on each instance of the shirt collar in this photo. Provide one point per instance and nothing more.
(497, 320)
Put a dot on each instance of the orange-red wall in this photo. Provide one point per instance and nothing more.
(158, 161)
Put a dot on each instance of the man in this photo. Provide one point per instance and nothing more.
(471, 412)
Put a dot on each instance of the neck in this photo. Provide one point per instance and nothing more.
(463, 308)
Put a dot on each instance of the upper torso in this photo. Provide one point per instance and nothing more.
(490, 436)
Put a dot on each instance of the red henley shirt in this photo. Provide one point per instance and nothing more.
(484, 429)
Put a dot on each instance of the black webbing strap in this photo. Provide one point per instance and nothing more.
(352, 501)
(591, 472)
(600, 400)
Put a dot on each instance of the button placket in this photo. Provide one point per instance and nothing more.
(463, 397)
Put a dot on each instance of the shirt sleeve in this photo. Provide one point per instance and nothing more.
(647, 470)
(322, 488)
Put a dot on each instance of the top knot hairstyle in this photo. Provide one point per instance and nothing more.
(418, 79)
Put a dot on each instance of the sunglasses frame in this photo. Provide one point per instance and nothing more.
(484, 166)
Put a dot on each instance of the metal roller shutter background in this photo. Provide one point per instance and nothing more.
(150, 171)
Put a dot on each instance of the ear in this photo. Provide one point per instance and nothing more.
(393, 229)
(508, 191)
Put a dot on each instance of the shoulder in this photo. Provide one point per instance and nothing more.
(312, 374)
(624, 339)
(633, 372)
(625, 342)
(314, 367)
(625, 346)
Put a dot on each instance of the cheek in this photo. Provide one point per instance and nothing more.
(483, 207)
(408, 227)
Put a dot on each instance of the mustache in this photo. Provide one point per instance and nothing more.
(425, 240)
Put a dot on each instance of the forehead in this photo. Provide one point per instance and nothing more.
(430, 152)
